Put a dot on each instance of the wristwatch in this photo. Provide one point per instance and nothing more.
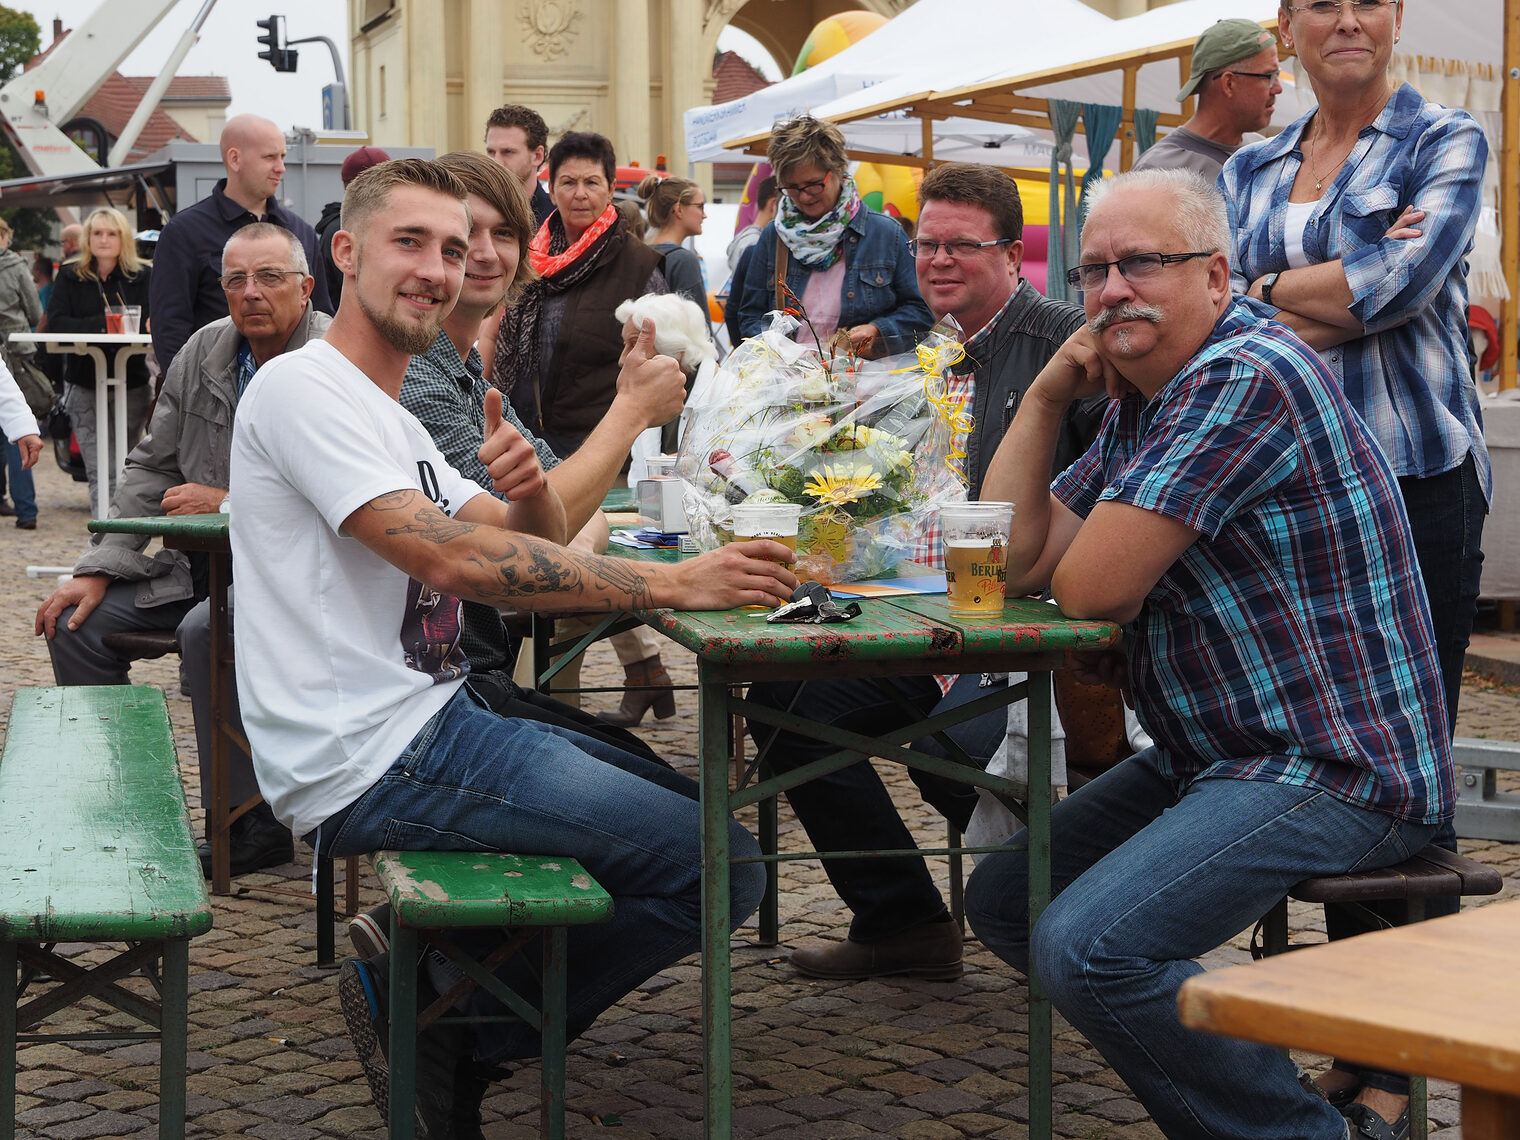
(1266, 286)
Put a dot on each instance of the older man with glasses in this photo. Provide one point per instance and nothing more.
(1235, 76)
(181, 468)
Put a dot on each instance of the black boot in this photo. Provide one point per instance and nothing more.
(258, 841)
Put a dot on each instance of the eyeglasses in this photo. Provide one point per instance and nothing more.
(795, 192)
(1135, 267)
(1326, 11)
(1269, 76)
(267, 279)
(919, 247)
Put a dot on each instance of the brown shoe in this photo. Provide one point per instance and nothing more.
(932, 950)
(648, 687)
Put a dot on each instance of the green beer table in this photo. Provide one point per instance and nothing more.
(900, 636)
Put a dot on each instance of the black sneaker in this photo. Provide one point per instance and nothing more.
(258, 841)
(442, 1050)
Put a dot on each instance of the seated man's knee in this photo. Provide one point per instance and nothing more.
(997, 906)
(194, 635)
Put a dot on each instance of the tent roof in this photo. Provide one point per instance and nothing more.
(931, 34)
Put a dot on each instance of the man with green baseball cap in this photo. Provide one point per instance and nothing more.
(1234, 75)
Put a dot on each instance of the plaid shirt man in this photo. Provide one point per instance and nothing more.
(1292, 642)
(448, 396)
(1408, 377)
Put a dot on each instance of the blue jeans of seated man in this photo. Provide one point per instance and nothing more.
(851, 810)
(1145, 879)
(474, 781)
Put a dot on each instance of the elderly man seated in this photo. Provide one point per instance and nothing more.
(1237, 515)
(180, 468)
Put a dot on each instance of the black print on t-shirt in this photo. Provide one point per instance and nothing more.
(431, 624)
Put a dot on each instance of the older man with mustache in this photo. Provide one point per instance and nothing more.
(1237, 516)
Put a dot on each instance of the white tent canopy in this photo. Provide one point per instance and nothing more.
(930, 39)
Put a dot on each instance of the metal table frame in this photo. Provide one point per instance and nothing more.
(109, 383)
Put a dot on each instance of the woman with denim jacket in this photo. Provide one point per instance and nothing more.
(847, 267)
(1356, 223)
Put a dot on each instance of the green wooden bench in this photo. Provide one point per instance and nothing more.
(432, 892)
(96, 846)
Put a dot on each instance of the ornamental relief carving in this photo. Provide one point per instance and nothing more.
(551, 26)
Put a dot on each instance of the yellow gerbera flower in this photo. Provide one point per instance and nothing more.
(838, 487)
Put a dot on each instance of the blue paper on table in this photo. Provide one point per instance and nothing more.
(645, 539)
(891, 587)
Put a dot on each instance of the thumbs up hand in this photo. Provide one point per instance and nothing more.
(515, 470)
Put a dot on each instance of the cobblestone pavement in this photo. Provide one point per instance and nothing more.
(915, 1060)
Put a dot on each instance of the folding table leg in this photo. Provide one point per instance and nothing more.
(552, 1015)
(8, 997)
(173, 1034)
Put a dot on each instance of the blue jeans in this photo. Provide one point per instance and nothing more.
(851, 809)
(23, 490)
(474, 781)
(1158, 877)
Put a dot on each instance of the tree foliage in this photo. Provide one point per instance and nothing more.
(20, 38)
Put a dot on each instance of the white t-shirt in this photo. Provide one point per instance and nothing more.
(341, 657)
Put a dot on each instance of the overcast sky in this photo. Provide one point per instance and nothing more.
(229, 46)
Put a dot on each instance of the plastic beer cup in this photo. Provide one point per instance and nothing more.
(775, 521)
(975, 538)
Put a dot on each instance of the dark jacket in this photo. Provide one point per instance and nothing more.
(542, 203)
(1020, 342)
(327, 225)
(187, 267)
(880, 283)
(580, 376)
(79, 305)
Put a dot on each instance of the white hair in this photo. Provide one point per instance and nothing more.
(1197, 208)
(679, 327)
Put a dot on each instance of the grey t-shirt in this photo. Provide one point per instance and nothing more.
(1186, 150)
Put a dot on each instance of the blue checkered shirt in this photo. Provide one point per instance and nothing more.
(448, 396)
(1409, 377)
(1292, 642)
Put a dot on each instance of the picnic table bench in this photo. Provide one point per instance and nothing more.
(96, 846)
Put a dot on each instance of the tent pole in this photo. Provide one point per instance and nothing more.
(1127, 135)
(1509, 197)
(927, 125)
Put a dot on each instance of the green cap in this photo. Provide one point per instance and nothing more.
(1227, 42)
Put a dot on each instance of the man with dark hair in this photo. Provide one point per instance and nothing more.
(967, 257)
(1235, 76)
(352, 500)
(181, 468)
(515, 138)
(185, 293)
(353, 166)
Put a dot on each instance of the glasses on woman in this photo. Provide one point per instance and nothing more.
(805, 189)
(1327, 11)
(1135, 267)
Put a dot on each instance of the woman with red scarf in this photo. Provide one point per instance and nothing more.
(557, 349)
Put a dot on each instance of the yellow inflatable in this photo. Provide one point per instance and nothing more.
(832, 35)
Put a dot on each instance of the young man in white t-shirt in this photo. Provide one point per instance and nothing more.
(354, 541)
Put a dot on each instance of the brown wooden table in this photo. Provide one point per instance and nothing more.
(1441, 998)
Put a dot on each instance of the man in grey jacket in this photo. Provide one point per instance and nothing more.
(180, 468)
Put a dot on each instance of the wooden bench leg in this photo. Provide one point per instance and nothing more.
(553, 1013)
(403, 1014)
(8, 997)
(173, 1038)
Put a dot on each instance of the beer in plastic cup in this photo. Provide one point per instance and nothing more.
(975, 538)
(775, 521)
(115, 318)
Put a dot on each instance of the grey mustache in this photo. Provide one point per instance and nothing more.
(1125, 312)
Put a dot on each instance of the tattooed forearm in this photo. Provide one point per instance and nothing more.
(568, 578)
(430, 524)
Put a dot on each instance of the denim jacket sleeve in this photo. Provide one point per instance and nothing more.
(881, 284)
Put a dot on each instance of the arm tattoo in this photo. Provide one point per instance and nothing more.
(427, 521)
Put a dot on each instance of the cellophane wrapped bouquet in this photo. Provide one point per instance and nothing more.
(869, 449)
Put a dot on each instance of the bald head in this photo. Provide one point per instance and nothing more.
(253, 151)
(70, 238)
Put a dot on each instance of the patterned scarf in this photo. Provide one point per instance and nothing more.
(561, 266)
(817, 244)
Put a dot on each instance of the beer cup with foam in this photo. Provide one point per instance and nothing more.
(975, 538)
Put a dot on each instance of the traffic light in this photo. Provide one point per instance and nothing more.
(280, 57)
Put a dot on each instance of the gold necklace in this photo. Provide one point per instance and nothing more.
(1319, 179)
